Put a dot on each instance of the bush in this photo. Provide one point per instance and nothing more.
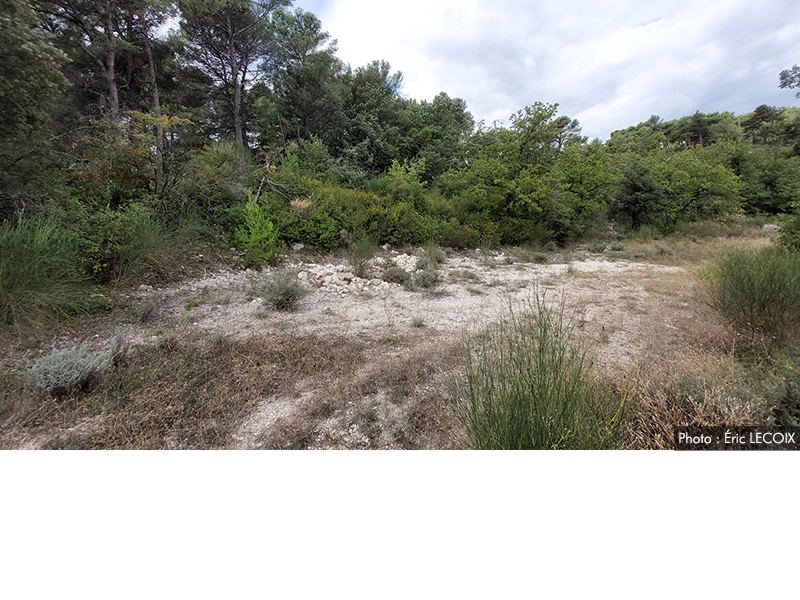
(426, 278)
(528, 386)
(70, 369)
(790, 230)
(257, 236)
(359, 253)
(284, 291)
(39, 271)
(395, 274)
(759, 293)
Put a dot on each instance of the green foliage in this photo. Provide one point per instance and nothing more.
(39, 271)
(69, 369)
(31, 83)
(257, 236)
(528, 386)
(283, 291)
(218, 177)
(118, 245)
(359, 253)
(790, 230)
(759, 294)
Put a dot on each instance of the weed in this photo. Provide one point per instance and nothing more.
(148, 312)
(433, 253)
(528, 387)
(425, 263)
(395, 274)
(759, 294)
(283, 291)
(418, 321)
(427, 278)
(39, 271)
(190, 304)
(69, 370)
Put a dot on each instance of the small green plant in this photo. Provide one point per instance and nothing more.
(423, 262)
(359, 254)
(435, 254)
(528, 386)
(395, 274)
(283, 291)
(258, 236)
(69, 369)
(427, 278)
(190, 304)
(418, 321)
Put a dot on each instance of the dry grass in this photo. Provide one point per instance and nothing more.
(687, 252)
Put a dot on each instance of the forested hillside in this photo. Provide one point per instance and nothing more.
(134, 130)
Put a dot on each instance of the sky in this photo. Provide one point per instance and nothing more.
(610, 64)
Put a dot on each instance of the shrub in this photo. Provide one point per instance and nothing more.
(435, 254)
(69, 369)
(257, 236)
(759, 293)
(528, 386)
(426, 278)
(395, 274)
(359, 253)
(283, 291)
(39, 271)
(790, 229)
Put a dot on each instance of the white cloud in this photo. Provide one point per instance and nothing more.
(610, 64)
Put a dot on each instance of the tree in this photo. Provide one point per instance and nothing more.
(98, 34)
(790, 78)
(303, 77)
(31, 82)
(229, 40)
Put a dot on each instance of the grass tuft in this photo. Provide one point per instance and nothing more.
(528, 386)
(759, 294)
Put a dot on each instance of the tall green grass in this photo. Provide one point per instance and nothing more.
(529, 386)
(39, 271)
(759, 293)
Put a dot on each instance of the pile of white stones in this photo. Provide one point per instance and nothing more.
(340, 280)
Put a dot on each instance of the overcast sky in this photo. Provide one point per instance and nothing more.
(609, 63)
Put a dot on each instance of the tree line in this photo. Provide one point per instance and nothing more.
(125, 117)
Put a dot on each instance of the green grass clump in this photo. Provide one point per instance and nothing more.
(39, 271)
(528, 386)
(759, 293)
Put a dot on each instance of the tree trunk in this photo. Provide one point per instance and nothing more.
(156, 104)
(237, 92)
(110, 75)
